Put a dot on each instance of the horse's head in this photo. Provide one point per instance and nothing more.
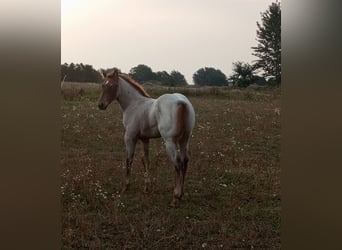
(109, 88)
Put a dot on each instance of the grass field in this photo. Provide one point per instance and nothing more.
(232, 188)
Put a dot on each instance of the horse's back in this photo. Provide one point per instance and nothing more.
(168, 107)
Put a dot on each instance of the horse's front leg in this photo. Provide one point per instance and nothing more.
(146, 163)
(130, 149)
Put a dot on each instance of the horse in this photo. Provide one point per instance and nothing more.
(170, 116)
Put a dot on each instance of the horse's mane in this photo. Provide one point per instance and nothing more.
(135, 84)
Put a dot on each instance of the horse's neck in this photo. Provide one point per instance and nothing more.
(128, 95)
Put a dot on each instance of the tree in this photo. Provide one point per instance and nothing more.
(209, 76)
(163, 77)
(269, 43)
(141, 73)
(64, 71)
(178, 78)
(71, 73)
(79, 73)
(243, 74)
(91, 75)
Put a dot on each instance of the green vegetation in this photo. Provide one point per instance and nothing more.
(79, 73)
(210, 77)
(269, 44)
(268, 51)
(143, 73)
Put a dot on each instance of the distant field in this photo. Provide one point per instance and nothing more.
(232, 188)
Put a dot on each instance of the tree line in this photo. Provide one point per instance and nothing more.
(264, 71)
(79, 73)
(86, 73)
(143, 73)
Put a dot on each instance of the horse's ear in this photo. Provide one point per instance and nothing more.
(114, 75)
(103, 73)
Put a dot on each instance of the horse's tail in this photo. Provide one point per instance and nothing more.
(182, 121)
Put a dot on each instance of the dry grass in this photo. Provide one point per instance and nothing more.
(232, 188)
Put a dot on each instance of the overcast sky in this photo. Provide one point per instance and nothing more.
(162, 34)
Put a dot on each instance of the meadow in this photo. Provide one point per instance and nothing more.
(232, 194)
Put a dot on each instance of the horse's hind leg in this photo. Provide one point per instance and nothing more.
(175, 157)
(183, 148)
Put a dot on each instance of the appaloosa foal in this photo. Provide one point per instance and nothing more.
(171, 116)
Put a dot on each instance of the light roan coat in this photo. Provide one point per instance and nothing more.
(171, 116)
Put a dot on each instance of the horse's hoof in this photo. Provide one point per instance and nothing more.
(125, 189)
(147, 187)
(175, 202)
